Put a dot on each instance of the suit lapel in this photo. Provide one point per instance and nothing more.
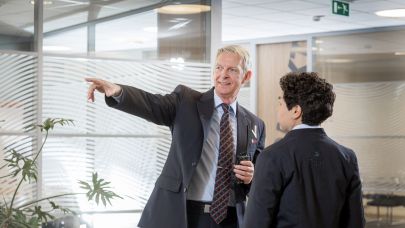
(205, 107)
(243, 128)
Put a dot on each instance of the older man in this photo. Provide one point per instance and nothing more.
(200, 185)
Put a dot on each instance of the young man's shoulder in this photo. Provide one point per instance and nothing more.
(278, 148)
(347, 153)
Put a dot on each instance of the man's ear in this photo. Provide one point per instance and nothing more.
(247, 76)
(296, 112)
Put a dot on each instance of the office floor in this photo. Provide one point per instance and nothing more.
(384, 225)
(396, 223)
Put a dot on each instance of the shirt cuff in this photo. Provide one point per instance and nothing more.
(118, 98)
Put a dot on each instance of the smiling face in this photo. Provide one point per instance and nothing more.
(229, 76)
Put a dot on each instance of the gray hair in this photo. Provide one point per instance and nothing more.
(240, 51)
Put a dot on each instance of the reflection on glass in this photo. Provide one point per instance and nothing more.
(362, 57)
(185, 35)
(133, 37)
(69, 42)
(16, 25)
(63, 14)
(118, 29)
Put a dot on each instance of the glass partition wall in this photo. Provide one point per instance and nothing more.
(368, 73)
(117, 40)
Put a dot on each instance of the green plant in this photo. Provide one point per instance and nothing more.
(31, 214)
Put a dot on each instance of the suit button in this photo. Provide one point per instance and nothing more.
(194, 164)
(185, 189)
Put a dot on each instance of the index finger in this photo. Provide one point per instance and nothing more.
(90, 93)
(92, 80)
(246, 163)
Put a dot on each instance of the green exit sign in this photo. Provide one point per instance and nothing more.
(340, 8)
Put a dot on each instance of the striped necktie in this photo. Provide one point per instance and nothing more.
(222, 190)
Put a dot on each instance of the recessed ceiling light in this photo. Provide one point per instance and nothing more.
(391, 13)
(46, 2)
(184, 9)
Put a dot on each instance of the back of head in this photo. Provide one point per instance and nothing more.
(313, 94)
(238, 50)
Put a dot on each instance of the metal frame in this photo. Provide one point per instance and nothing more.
(38, 38)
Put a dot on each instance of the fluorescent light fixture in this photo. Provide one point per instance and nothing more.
(400, 53)
(318, 41)
(55, 48)
(184, 9)
(338, 61)
(391, 13)
(179, 25)
(150, 29)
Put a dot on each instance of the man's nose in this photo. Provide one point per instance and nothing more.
(223, 73)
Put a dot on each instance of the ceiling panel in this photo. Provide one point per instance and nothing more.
(296, 5)
(297, 16)
(254, 2)
(375, 5)
(280, 17)
(249, 10)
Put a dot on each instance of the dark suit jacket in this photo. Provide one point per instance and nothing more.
(187, 113)
(305, 180)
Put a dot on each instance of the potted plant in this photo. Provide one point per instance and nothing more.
(31, 214)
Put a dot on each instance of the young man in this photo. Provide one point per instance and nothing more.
(199, 185)
(305, 180)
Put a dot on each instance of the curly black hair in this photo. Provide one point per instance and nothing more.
(313, 94)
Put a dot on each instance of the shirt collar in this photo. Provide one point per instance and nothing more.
(303, 126)
(218, 102)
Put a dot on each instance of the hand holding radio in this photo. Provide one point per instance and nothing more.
(243, 169)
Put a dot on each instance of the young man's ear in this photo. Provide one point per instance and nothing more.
(297, 112)
(247, 76)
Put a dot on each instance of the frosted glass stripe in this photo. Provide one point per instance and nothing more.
(18, 97)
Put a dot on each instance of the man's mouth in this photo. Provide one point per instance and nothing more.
(224, 83)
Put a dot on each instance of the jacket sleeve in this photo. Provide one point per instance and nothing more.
(353, 212)
(265, 192)
(159, 109)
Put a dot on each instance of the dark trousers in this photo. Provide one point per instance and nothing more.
(198, 218)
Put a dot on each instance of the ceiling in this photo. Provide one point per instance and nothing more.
(241, 19)
(254, 19)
